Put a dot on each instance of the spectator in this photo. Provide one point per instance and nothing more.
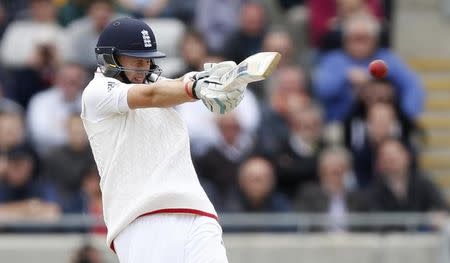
(219, 165)
(183, 10)
(347, 8)
(12, 131)
(193, 51)
(323, 13)
(376, 91)
(8, 105)
(288, 84)
(64, 165)
(144, 8)
(341, 74)
(39, 41)
(49, 110)
(217, 20)
(257, 192)
(398, 188)
(22, 195)
(281, 42)
(29, 35)
(251, 32)
(296, 160)
(203, 131)
(202, 128)
(92, 198)
(87, 254)
(72, 10)
(16, 9)
(381, 124)
(333, 195)
(82, 34)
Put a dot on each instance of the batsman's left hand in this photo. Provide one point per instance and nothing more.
(215, 98)
(209, 89)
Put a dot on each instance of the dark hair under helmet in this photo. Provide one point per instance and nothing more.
(129, 37)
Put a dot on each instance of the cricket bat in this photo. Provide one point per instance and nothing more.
(254, 68)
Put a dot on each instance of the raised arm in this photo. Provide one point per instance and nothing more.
(409, 87)
(203, 85)
(106, 97)
(164, 93)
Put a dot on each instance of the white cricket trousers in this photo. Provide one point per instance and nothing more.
(171, 238)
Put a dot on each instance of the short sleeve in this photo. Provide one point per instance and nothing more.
(104, 98)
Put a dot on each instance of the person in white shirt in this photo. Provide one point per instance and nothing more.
(153, 204)
(202, 126)
(82, 34)
(31, 35)
(49, 110)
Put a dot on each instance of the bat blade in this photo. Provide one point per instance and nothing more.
(254, 68)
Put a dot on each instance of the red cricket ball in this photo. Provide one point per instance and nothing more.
(378, 69)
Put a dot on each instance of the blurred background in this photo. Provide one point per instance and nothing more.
(319, 163)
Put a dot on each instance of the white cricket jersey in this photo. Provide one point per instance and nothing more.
(142, 155)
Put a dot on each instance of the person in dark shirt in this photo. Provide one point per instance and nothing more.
(194, 52)
(279, 40)
(257, 192)
(334, 195)
(376, 91)
(22, 195)
(296, 160)
(398, 188)
(218, 167)
(64, 165)
(12, 130)
(88, 199)
(249, 37)
(381, 124)
(287, 87)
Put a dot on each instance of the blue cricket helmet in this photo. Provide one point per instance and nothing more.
(129, 37)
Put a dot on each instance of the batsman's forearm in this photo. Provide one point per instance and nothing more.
(161, 94)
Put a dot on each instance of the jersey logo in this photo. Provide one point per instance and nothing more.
(146, 38)
(111, 85)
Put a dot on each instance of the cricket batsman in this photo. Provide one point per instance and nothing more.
(154, 206)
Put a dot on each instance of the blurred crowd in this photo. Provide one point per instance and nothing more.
(320, 135)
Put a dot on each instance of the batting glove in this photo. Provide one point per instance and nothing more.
(211, 92)
(213, 96)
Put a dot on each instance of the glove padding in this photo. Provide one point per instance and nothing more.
(207, 87)
(215, 98)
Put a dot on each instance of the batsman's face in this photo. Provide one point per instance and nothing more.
(143, 64)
